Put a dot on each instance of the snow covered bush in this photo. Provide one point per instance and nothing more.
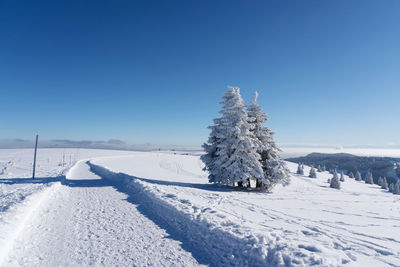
(240, 149)
(351, 175)
(335, 183)
(313, 173)
(358, 176)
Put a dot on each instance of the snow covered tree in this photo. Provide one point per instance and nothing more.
(351, 175)
(313, 173)
(211, 148)
(300, 169)
(231, 152)
(358, 176)
(323, 168)
(275, 170)
(380, 180)
(369, 179)
(384, 184)
(335, 183)
(341, 177)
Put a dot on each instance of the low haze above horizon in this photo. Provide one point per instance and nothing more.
(327, 72)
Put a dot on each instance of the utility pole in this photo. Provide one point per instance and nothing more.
(34, 158)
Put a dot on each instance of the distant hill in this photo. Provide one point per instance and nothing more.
(337, 155)
(379, 166)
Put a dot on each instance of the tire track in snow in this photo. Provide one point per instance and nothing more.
(88, 222)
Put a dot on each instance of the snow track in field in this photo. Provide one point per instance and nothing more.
(88, 222)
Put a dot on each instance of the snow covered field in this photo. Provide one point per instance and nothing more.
(152, 208)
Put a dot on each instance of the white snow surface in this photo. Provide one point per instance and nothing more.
(306, 223)
(116, 208)
(80, 220)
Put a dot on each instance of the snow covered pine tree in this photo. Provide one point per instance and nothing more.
(369, 179)
(275, 170)
(341, 177)
(313, 173)
(384, 184)
(335, 183)
(358, 176)
(231, 153)
(300, 169)
(240, 149)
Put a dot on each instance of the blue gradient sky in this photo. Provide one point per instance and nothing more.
(328, 72)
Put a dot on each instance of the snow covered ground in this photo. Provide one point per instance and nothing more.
(153, 208)
(75, 220)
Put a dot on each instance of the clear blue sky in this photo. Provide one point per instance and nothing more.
(328, 72)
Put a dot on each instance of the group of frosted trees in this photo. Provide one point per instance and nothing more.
(312, 174)
(335, 181)
(369, 179)
(240, 149)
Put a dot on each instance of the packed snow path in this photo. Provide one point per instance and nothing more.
(88, 221)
